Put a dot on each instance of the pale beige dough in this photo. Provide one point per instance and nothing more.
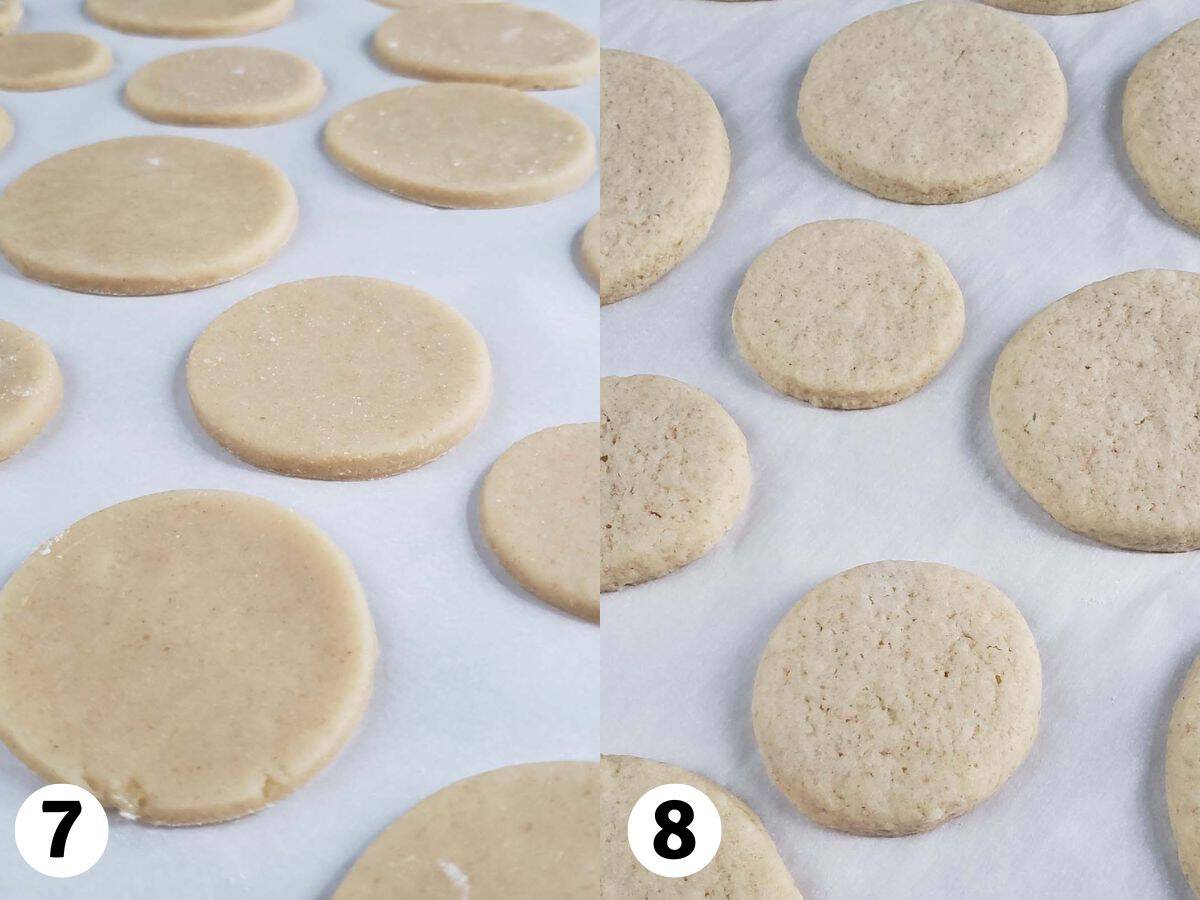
(539, 509)
(31, 387)
(528, 832)
(188, 657)
(934, 102)
(190, 18)
(1058, 7)
(747, 865)
(339, 378)
(476, 147)
(146, 215)
(1094, 408)
(6, 129)
(10, 15)
(226, 86)
(1183, 776)
(895, 696)
(848, 314)
(663, 170)
(1161, 123)
(676, 476)
(47, 61)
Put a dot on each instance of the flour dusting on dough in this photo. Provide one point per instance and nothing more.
(457, 877)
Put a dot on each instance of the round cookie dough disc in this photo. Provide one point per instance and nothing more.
(30, 387)
(848, 314)
(47, 61)
(934, 102)
(528, 831)
(10, 15)
(190, 18)
(481, 146)
(676, 476)
(664, 166)
(1094, 404)
(895, 696)
(1183, 776)
(188, 657)
(1058, 7)
(540, 508)
(1161, 123)
(146, 215)
(747, 865)
(339, 378)
(6, 129)
(227, 86)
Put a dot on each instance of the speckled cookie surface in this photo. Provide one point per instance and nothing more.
(676, 476)
(527, 831)
(1183, 776)
(747, 865)
(1058, 7)
(664, 166)
(1094, 404)
(487, 43)
(934, 102)
(47, 61)
(31, 387)
(895, 696)
(189, 18)
(1161, 123)
(10, 15)
(848, 314)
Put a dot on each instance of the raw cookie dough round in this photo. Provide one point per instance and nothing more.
(527, 831)
(489, 43)
(1161, 123)
(188, 657)
(676, 476)
(664, 166)
(1183, 776)
(146, 215)
(934, 102)
(10, 15)
(339, 378)
(895, 696)
(539, 509)
(47, 61)
(1094, 406)
(1058, 7)
(31, 387)
(848, 314)
(747, 865)
(481, 146)
(6, 129)
(190, 18)
(227, 86)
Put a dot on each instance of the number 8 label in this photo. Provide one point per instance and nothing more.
(61, 830)
(674, 830)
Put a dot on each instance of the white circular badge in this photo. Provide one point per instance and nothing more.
(61, 830)
(674, 830)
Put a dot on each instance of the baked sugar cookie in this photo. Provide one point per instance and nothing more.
(480, 147)
(227, 86)
(31, 387)
(747, 865)
(47, 61)
(1161, 123)
(146, 215)
(188, 657)
(10, 15)
(934, 102)
(526, 831)
(1058, 7)
(489, 43)
(1183, 776)
(189, 18)
(1094, 406)
(339, 378)
(895, 696)
(676, 476)
(848, 314)
(664, 166)
(540, 513)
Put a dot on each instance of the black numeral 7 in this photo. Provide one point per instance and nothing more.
(72, 808)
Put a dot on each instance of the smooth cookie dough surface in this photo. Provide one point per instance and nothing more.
(46, 61)
(489, 43)
(190, 18)
(339, 378)
(188, 657)
(848, 314)
(934, 102)
(664, 167)
(146, 215)
(895, 696)
(1094, 406)
(31, 387)
(676, 476)
(229, 86)
(529, 831)
(1183, 776)
(747, 865)
(481, 146)
(10, 15)
(1058, 7)
(6, 129)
